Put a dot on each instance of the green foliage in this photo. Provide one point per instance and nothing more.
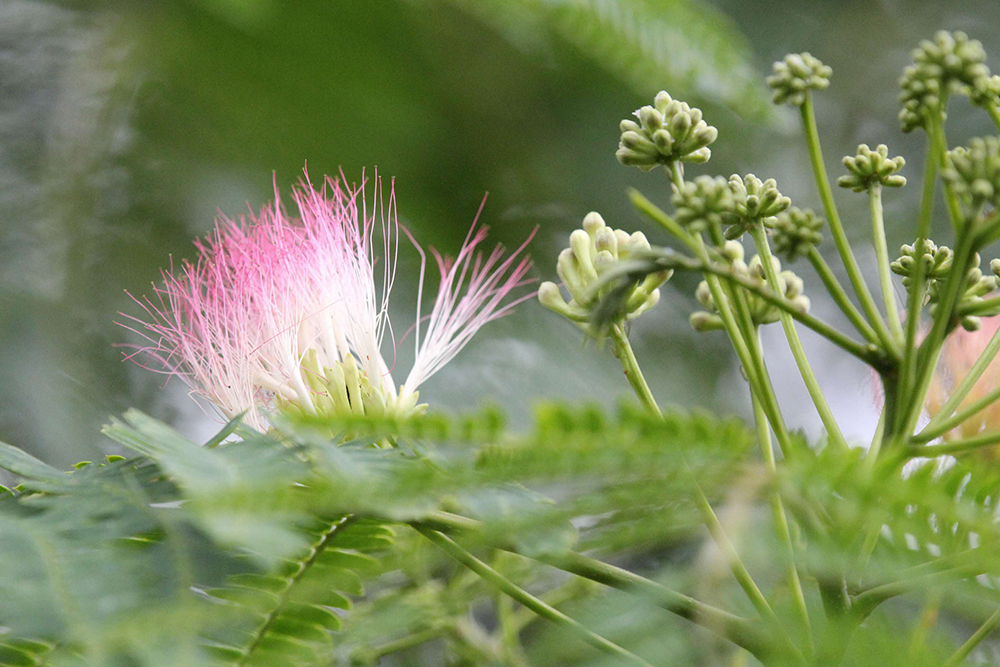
(684, 44)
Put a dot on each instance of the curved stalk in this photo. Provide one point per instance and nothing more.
(840, 297)
(491, 576)
(984, 631)
(933, 430)
(795, 344)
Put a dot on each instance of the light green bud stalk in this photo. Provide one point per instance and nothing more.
(868, 168)
(594, 250)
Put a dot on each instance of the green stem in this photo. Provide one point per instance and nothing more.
(781, 525)
(994, 113)
(968, 382)
(934, 430)
(986, 306)
(882, 256)
(839, 295)
(795, 344)
(491, 576)
(631, 367)
(936, 129)
(657, 215)
(988, 439)
(915, 303)
(403, 643)
(837, 229)
(984, 631)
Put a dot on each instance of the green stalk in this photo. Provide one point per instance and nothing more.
(984, 631)
(933, 430)
(837, 229)
(491, 576)
(951, 199)
(781, 525)
(915, 303)
(839, 295)
(656, 214)
(994, 113)
(630, 365)
(795, 344)
(882, 256)
(988, 439)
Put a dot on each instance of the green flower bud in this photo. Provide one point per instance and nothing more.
(757, 202)
(974, 172)
(985, 92)
(869, 168)
(795, 75)
(951, 64)
(593, 251)
(937, 262)
(796, 232)
(703, 202)
(669, 131)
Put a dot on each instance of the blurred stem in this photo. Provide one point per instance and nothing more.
(941, 141)
(795, 343)
(988, 439)
(631, 367)
(407, 642)
(994, 113)
(933, 430)
(882, 256)
(741, 631)
(837, 229)
(781, 525)
(839, 295)
(657, 215)
(544, 610)
(984, 631)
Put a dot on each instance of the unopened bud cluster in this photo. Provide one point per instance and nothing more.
(872, 167)
(974, 172)
(755, 202)
(704, 202)
(976, 286)
(594, 250)
(666, 132)
(950, 64)
(937, 261)
(796, 233)
(795, 75)
(761, 312)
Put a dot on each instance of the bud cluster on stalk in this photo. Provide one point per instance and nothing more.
(795, 75)
(594, 250)
(754, 202)
(761, 312)
(974, 172)
(951, 64)
(796, 232)
(666, 132)
(872, 167)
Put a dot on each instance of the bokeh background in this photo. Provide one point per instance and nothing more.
(125, 126)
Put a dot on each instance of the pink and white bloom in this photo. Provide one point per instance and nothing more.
(281, 309)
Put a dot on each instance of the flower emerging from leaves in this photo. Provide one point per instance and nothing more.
(282, 311)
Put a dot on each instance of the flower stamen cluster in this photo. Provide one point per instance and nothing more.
(669, 131)
(872, 167)
(283, 312)
(795, 75)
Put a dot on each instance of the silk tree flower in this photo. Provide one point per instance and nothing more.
(291, 312)
(960, 352)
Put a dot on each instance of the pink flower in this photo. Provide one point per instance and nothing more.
(279, 309)
(960, 352)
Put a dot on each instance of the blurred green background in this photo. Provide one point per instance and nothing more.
(125, 126)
